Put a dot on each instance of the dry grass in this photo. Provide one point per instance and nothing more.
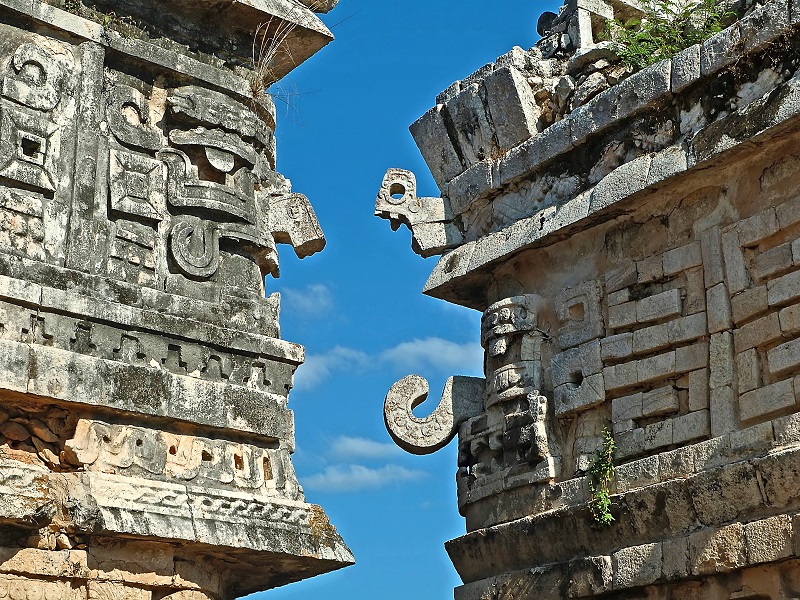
(270, 49)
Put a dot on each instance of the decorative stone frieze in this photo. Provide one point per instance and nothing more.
(633, 250)
(143, 382)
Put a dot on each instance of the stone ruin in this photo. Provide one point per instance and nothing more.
(633, 241)
(145, 438)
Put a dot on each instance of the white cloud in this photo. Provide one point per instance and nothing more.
(348, 448)
(422, 355)
(314, 300)
(351, 478)
(434, 352)
(318, 367)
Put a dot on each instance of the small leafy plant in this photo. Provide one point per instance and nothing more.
(600, 475)
(666, 28)
(124, 25)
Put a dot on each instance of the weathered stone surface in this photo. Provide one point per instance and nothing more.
(651, 222)
(143, 381)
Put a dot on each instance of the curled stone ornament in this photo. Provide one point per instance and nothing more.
(462, 399)
(195, 248)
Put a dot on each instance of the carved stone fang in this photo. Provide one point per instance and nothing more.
(462, 399)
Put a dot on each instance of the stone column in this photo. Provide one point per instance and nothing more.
(145, 438)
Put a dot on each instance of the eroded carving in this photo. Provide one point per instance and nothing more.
(462, 398)
(135, 451)
(429, 219)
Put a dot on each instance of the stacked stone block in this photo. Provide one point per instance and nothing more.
(650, 233)
(145, 437)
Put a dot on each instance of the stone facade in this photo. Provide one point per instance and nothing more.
(633, 241)
(145, 438)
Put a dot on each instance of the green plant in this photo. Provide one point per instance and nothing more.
(124, 25)
(665, 28)
(600, 475)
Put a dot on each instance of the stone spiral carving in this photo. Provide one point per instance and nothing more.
(462, 398)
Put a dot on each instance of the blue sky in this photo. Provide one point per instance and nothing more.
(358, 306)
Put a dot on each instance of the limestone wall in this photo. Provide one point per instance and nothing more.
(145, 438)
(636, 261)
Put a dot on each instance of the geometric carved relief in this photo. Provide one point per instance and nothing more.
(139, 451)
(29, 145)
(578, 310)
(137, 185)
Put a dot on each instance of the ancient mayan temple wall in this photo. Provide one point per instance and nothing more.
(633, 241)
(145, 438)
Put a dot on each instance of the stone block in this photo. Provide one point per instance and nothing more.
(769, 540)
(659, 306)
(736, 272)
(685, 68)
(621, 426)
(721, 360)
(637, 566)
(765, 24)
(656, 367)
(535, 152)
(748, 370)
(719, 308)
(432, 139)
(14, 366)
(749, 303)
(473, 132)
(783, 289)
(620, 376)
(758, 227)
(723, 410)
(698, 389)
(620, 278)
(578, 311)
(633, 95)
(772, 262)
(713, 267)
(784, 357)
(660, 401)
(666, 163)
(626, 408)
(571, 398)
(618, 297)
(575, 364)
(675, 558)
(690, 358)
(658, 434)
(717, 550)
(687, 328)
(590, 576)
(637, 474)
(766, 401)
(787, 429)
(789, 319)
(750, 440)
(512, 108)
(682, 258)
(690, 427)
(650, 269)
(622, 315)
(617, 347)
(624, 181)
(650, 339)
(20, 291)
(695, 291)
(630, 443)
(469, 186)
(788, 212)
(720, 50)
(757, 333)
